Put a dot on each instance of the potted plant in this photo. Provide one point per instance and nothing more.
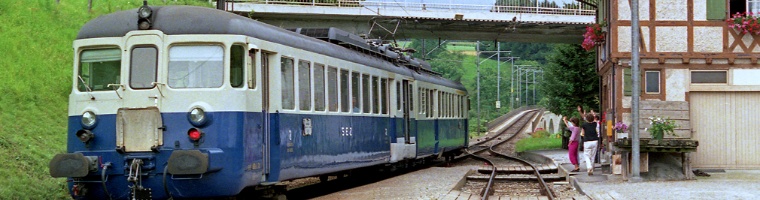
(744, 23)
(660, 127)
(621, 129)
(594, 35)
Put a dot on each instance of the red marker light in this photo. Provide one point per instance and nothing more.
(194, 134)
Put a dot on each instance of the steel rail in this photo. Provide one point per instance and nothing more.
(521, 125)
(544, 187)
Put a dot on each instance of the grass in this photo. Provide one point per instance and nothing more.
(531, 144)
(36, 38)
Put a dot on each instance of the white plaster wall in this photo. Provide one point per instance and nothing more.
(624, 10)
(626, 102)
(624, 38)
(671, 39)
(700, 10)
(676, 84)
(745, 76)
(671, 10)
(708, 39)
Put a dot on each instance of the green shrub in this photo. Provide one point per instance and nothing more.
(530, 144)
(540, 134)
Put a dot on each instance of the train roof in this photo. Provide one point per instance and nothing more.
(178, 20)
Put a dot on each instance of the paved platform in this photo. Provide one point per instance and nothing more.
(731, 184)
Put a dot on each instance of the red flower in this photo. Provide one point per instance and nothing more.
(593, 36)
(744, 23)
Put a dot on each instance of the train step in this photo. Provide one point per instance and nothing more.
(516, 177)
(517, 169)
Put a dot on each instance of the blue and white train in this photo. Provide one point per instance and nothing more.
(192, 102)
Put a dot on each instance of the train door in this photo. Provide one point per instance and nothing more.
(139, 120)
(265, 96)
(407, 109)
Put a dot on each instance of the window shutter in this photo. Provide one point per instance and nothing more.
(627, 82)
(716, 9)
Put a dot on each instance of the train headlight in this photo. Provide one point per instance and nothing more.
(197, 117)
(144, 13)
(89, 120)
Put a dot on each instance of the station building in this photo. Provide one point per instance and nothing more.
(695, 69)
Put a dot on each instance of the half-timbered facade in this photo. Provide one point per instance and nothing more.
(694, 69)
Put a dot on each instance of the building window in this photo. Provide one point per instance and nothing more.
(709, 77)
(652, 82)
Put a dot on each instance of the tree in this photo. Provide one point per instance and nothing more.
(431, 50)
(526, 51)
(449, 65)
(570, 79)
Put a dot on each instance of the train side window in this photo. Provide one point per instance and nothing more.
(456, 103)
(448, 104)
(344, 103)
(411, 98)
(375, 96)
(143, 67)
(288, 92)
(421, 92)
(98, 68)
(304, 85)
(365, 93)
(440, 103)
(398, 95)
(319, 87)
(384, 95)
(252, 68)
(237, 63)
(431, 106)
(332, 88)
(196, 66)
(355, 106)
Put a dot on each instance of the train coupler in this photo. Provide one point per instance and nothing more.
(138, 191)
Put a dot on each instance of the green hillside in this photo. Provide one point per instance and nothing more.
(35, 74)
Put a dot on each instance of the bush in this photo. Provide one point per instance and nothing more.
(540, 134)
(530, 144)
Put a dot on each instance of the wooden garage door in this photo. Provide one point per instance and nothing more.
(727, 125)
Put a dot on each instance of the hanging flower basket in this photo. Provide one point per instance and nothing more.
(745, 23)
(594, 36)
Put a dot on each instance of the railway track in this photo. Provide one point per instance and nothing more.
(508, 172)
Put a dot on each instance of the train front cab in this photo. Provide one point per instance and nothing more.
(159, 116)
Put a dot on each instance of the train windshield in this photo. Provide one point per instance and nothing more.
(196, 66)
(98, 68)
